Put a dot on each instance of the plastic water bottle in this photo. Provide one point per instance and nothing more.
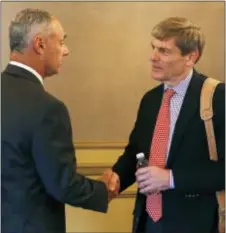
(141, 160)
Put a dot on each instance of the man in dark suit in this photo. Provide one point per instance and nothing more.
(176, 192)
(38, 158)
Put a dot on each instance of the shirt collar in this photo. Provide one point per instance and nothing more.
(28, 68)
(182, 87)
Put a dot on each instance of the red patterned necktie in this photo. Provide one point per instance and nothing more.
(158, 152)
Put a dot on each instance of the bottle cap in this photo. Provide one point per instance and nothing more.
(140, 155)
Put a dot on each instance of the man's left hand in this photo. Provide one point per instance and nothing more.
(152, 179)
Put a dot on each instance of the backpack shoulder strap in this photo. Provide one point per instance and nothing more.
(206, 113)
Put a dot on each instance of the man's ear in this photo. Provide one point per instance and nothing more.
(192, 58)
(39, 44)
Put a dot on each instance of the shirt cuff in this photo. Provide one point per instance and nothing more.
(171, 180)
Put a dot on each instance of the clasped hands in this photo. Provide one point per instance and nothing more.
(112, 182)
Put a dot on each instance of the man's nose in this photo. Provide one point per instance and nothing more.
(154, 55)
(66, 51)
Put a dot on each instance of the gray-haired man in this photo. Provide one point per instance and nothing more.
(38, 159)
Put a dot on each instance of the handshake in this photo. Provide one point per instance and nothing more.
(112, 182)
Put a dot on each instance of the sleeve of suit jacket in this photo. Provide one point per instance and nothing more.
(54, 157)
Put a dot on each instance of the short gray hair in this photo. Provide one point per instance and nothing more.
(26, 24)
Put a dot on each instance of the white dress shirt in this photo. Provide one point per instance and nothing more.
(175, 107)
(28, 68)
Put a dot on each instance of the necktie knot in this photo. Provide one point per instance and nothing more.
(169, 93)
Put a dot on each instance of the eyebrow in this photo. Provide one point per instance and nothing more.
(161, 48)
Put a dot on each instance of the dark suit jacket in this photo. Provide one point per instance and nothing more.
(191, 207)
(38, 159)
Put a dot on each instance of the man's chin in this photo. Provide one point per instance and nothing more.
(159, 78)
(51, 73)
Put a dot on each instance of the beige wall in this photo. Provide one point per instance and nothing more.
(107, 72)
(119, 218)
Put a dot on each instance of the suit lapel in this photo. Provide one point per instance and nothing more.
(188, 110)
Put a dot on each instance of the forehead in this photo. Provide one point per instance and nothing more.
(57, 28)
(168, 43)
